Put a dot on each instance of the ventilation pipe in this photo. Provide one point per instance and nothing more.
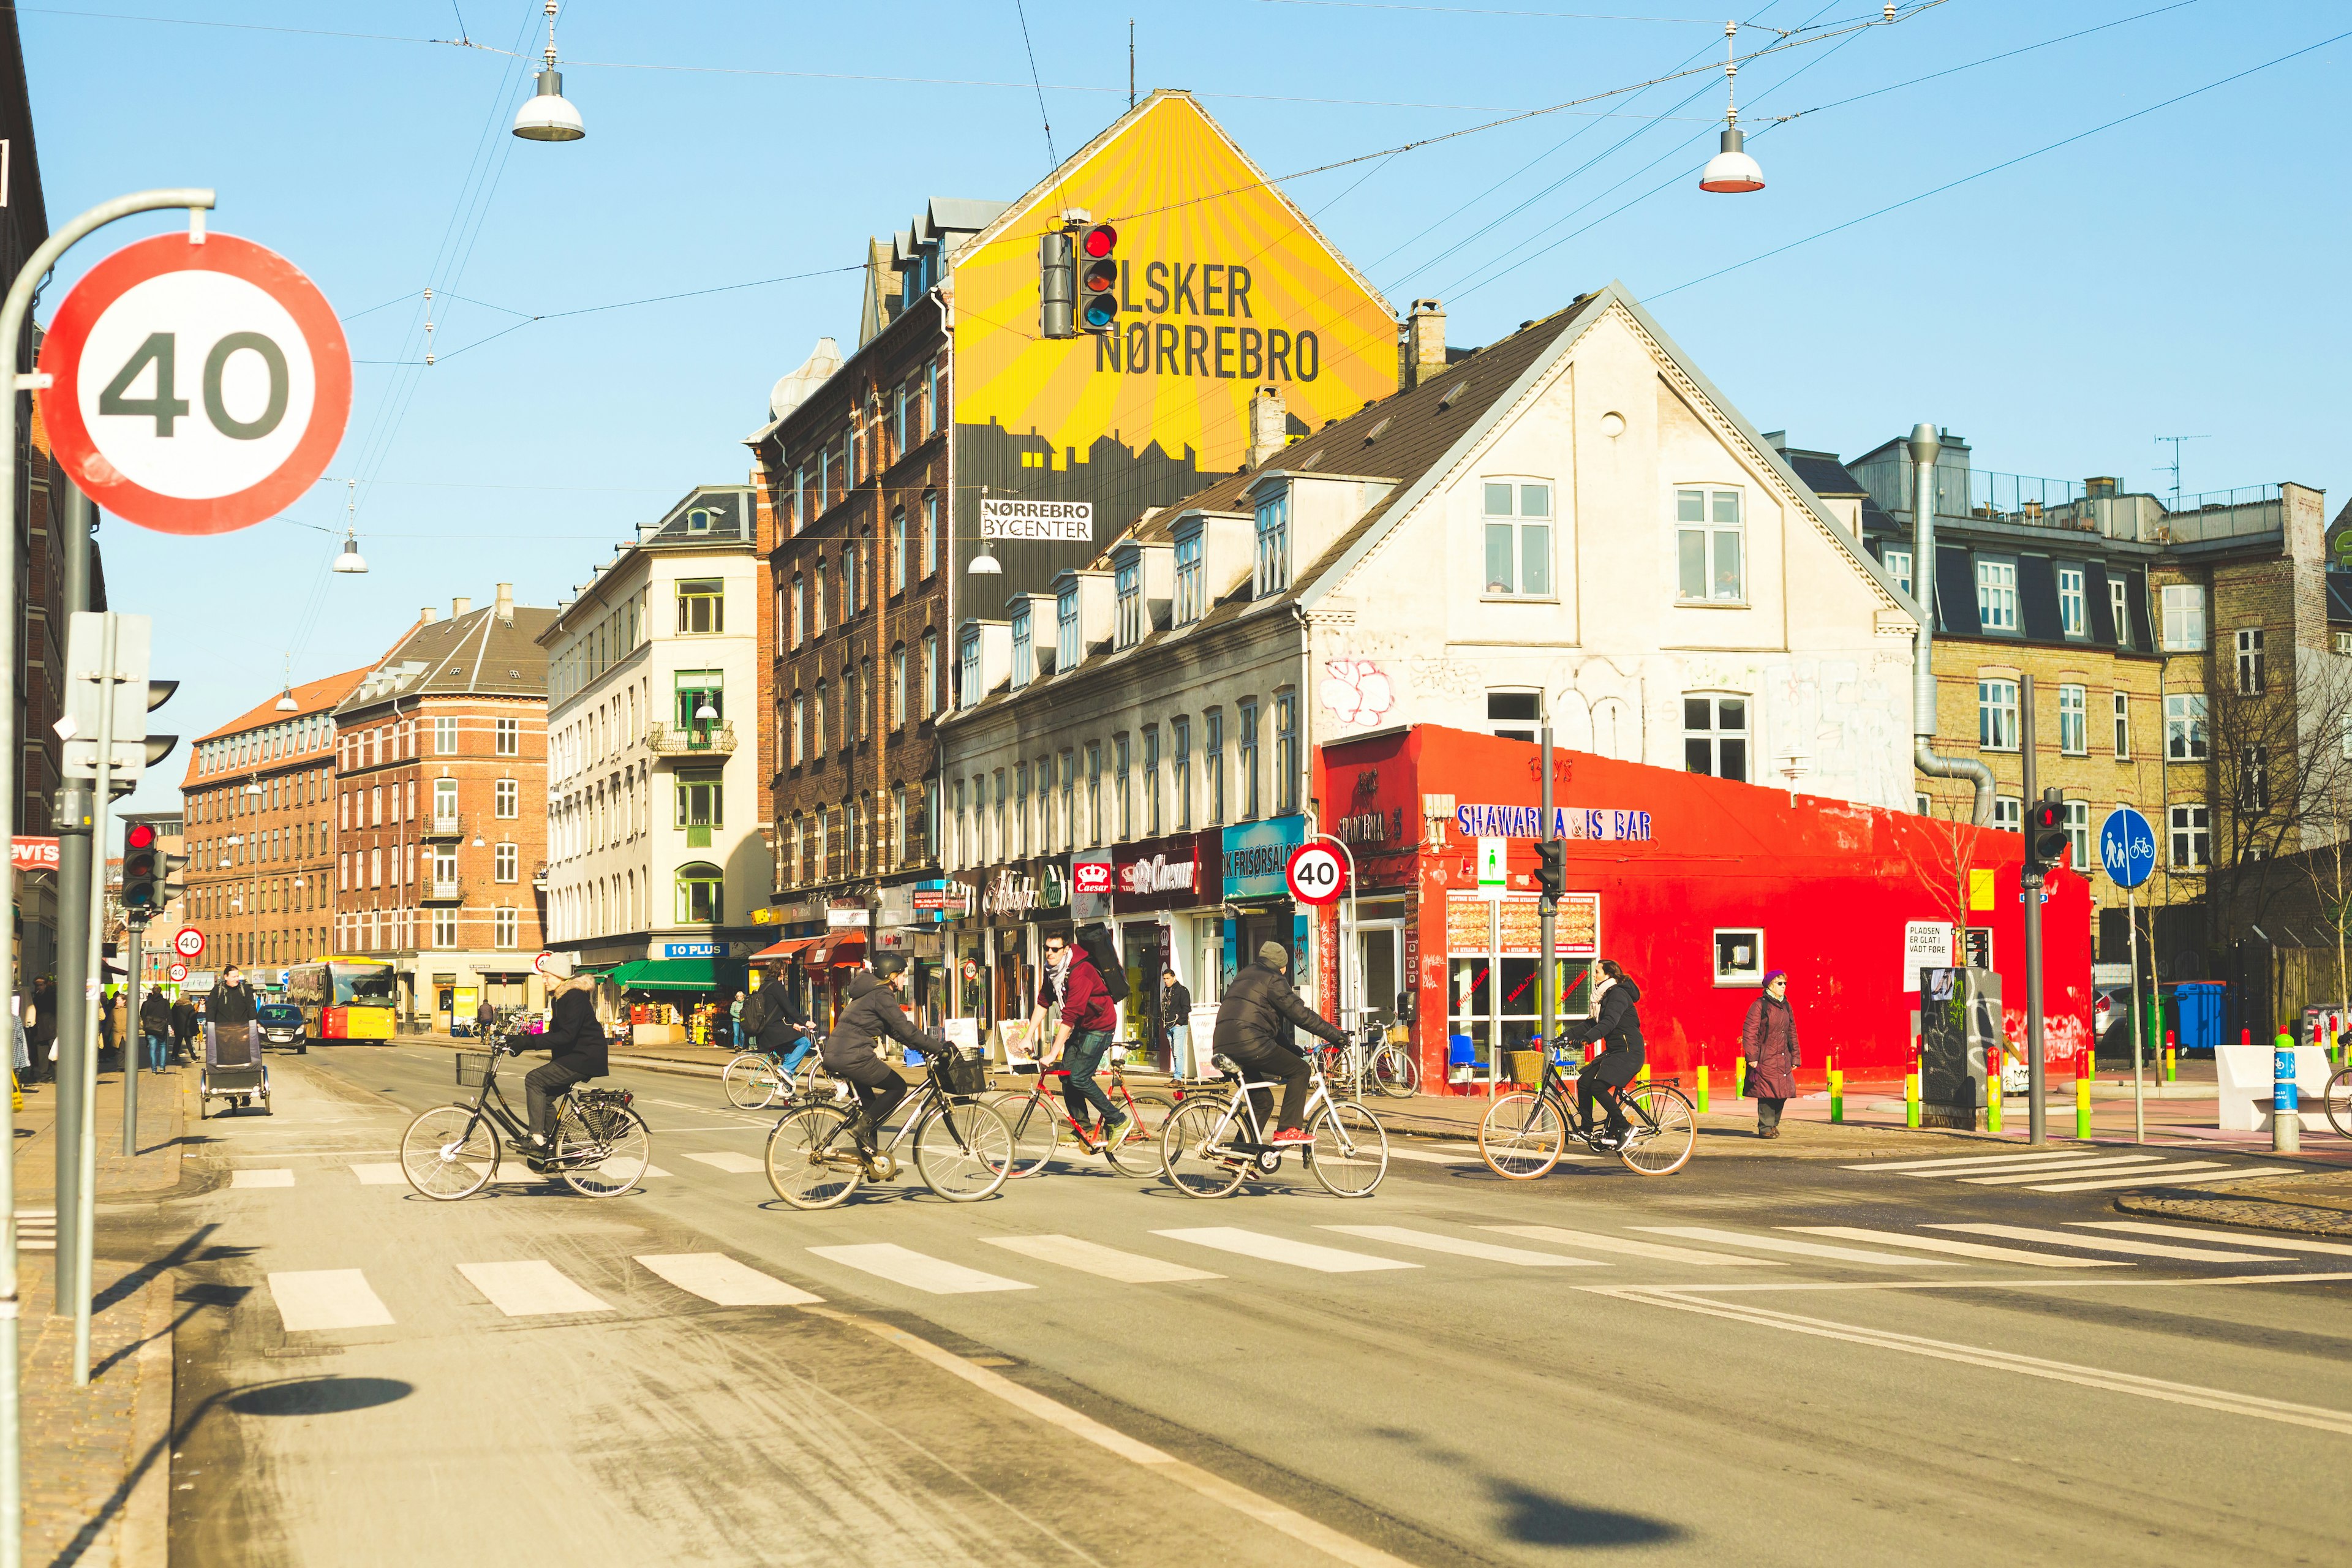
(1925, 449)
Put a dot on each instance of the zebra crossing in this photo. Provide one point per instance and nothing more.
(388, 1173)
(2083, 1170)
(36, 1230)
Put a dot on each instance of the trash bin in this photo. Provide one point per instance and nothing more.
(2200, 1005)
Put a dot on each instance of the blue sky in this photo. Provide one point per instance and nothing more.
(2164, 277)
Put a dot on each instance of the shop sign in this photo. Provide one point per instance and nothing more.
(32, 853)
(1091, 877)
(1927, 944)
(839, 918)
(691, 950)
(1011, 892)
(1518, 920)
(1160, 874)
(1606, 823)
(951, 900)
(1371, 826)
(1257, 857)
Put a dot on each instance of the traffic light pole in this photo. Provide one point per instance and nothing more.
(2030, 890)
(1547, 922)
(132, 1032)
(85, 1220)
(76, 849)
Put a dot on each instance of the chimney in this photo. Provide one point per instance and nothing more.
(506, 602)
(429, 613)
(459, 607)
(1269, 425)
(1424, 342)
(2102, 486)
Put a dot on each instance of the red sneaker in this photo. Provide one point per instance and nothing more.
(1293, 1135)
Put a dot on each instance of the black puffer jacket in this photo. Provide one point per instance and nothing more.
(1258, 1011)
(574, 1038)
(155, 1013)
(1619, 1024)
(230, 1004)
(873, 1012)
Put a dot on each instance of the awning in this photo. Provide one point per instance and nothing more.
(668, 974)
(784, 949)
(845, 949)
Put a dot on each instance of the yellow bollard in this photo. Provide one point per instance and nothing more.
(1992, 1092)
(1911, 1100)
(1739, 1078)
(1837, 1095)
(1701, 1089)
(2082, 1109)
(1641, 1074)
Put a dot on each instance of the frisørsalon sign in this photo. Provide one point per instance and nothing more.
(1054, 520)
(1526, 822)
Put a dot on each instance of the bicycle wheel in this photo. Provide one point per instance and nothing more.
(1663, 1132)
(449, 1151)
(627, 1145)
(1396, 1071)
(1350, 1152)
(1037, 1130)
(1139, 1154)
(1185, 1157)
(812, 1159)
(2339, 1102)
(752, 1081)
(964, 1151)
(1522, 1136)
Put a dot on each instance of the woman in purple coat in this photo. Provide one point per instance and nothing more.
(1769, 1040)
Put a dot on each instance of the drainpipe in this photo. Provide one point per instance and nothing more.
(1925, 450)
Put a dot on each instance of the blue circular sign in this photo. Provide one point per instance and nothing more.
(2127, 847)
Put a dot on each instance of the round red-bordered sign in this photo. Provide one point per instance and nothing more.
(188, 943)
(195, 388)
(1316, 874)
(176, 973)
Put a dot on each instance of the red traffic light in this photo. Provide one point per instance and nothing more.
(139, 835)
(2047, 816)
(1099, 241)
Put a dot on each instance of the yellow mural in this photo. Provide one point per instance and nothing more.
(1223, 288)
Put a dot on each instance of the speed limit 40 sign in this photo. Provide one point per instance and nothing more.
(196, 386)
(1317, 875)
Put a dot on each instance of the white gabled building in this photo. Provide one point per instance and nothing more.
(1571, 519)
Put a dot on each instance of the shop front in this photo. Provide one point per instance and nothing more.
(1699, 887)
(996, 950)
(675, 991)
(1258, 906)
(1167, 906)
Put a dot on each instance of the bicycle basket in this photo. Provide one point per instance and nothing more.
(474, 1069)
(959, 1074)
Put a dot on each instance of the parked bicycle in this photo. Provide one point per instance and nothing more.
(1213, 1142)
(1372, 1062)
(2338, 1101)
(1038, 1120)
(756, 1079)
(1524, 1134)
(962, 1148)
(602, 1146)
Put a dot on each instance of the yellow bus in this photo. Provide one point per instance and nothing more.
(343, 998)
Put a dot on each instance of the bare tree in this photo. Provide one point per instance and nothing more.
(2280, 766)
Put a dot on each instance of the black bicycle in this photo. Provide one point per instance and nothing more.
(602, 1146)
(1525, 1134)
(963, 1149)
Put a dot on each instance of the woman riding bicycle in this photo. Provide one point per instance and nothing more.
(574, 1041)
(773, 1024)
(1619, 1024)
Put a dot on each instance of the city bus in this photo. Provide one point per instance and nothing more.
(343, 998)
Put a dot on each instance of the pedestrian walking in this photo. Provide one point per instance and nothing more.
(1769, 1040)
(735, 1020)
(185, 1026)
(41, 1026)
(486, 1016)
(1176, 1019)
(108, 1030)
(155, 1025)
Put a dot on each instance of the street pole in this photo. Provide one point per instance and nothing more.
(2030, 891)
(74, 851)
(85, 1220)
(133, 931)
(2131, 924)
(18, 303)
(1547, 924)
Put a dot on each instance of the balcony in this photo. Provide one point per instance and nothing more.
(700, 740)
(440, 890)
(441, 829)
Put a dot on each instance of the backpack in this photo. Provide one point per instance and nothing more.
(1095, 942)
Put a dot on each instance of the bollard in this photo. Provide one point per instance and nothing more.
(1739, 1078)
(2286, 1126)
(2083, 1095)
(1701, 1089)
(1837, 1093)
(1641, 1074)
(1911, 1095)
(2170, 1042)
(1992, 1090)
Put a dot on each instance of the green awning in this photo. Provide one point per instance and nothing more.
(673, 975)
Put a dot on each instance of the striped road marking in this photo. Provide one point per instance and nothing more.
(1593, 1241)
(2117, 1165)
(36, 1230)
(388, 1175)
(1430, 1157)
(531, 1289)
(261, 1179)
(718, 1279)
(1430, 1241)
(734, 1165)
(1990, 1162)
(1960, 1248)
(933, 1275)
(327, 1299)
(2276, 1243)
(2208, 1173)
(1800, 1248)
(1106, 1262)
(1282, 1249)
(2097, 1244)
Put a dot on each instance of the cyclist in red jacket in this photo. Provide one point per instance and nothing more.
(1073, 995)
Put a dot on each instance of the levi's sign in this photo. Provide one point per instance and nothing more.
(1526, 822)
(1067, 521)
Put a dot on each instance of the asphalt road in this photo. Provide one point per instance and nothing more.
(1678, 1370)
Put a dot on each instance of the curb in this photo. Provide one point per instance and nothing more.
(2253, 1214)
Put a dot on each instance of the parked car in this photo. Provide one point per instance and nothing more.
(281, 1026)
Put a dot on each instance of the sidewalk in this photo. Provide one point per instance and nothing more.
(97, 1463)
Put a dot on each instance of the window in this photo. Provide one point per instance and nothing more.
(445, 928)
(1898, 566)
(1715, 736)
(444, 737)
(898, 423)
(2184, 617)
(929, 701)
(1192, 585)
(816, 724)
(816, 604)
(1021, 809)
(505, 928)
(2009, 813)
(701, 606)
(1518, 538)
(1273, 570)
(506, 799)
(2119, 605)
(2253, 779)
(865, 698)
(2123, 727)
(1996, 594)
(2250, 662)
(1514, 715)
(1069, 800)
(701, 895)
(2073, 723)
(1151, 781)
(2078, 834)
(701, 801)
(509, 737)
(2184, 727)
(968, 670)
(800, 728)
(445, 804)
(1708, 546)
(1130, 604)
(1212, 763)
(505, 862)
(1068, 647)
(2192, 837)
(899, 522)
(1245, 762)
(1179, 748)
(1094, 792)
(1023, 658)
(701, 700)
(930, 533)
(1119, 782)
(1738, 957)
(1997, 715)
(2073, 618)
(1286, 752)
(897, 684)
(853, 585)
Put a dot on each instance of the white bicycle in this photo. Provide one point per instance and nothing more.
(1214, 1141)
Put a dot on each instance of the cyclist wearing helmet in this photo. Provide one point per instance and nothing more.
(873, 1012)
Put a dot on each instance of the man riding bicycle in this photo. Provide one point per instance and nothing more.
(873, 1012)
(574, 1041)
(773, 1024)
(1254, 1022)
(1087, 1019)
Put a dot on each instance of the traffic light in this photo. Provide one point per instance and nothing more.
(1551, 869)
(1056, 286)
(2045, 833)
(147, 872)
(135, 750)
(1099, 277)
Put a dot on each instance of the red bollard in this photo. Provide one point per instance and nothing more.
(2246, 1036)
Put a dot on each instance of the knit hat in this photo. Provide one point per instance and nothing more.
(1274, 955)
(1776, 975)
(553, 965)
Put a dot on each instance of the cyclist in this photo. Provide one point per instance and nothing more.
(574, 1041)
(773, 1024)
(874, 1011)
(1619, 1024)
(1087, 1019)
(1254, 1022)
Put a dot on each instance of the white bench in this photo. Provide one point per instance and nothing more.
(2247, 1087)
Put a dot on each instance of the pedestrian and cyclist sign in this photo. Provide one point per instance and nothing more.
(195, 384)
(2127, 847)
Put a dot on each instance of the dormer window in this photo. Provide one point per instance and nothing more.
(1130, 604)
(1024, 661)
(968, 670)
(1068, 643)
(699, 520)
(1191, 581)
(1273, 572)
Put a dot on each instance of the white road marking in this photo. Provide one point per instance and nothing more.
(2075, 1168)
(2195, 1171)
(1430, 1157)
(1801, 1248)
(2203, 1178)
(2097, 1244)
(36, 1230)
(1108, 1263)
(261, 1178)
(1960, 1248)
(1282, 1249)
(2276, 1243)
(1431, 1241)
(388, 1174)
(716, 1277)
(516, 1170)
(1986, 1159)
(734, 1165)
(529, 1289)
(327, 1299)
(903, 1266)
(1594, 1241)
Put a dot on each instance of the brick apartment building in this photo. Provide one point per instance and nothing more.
(440, 807)
(256, 805)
